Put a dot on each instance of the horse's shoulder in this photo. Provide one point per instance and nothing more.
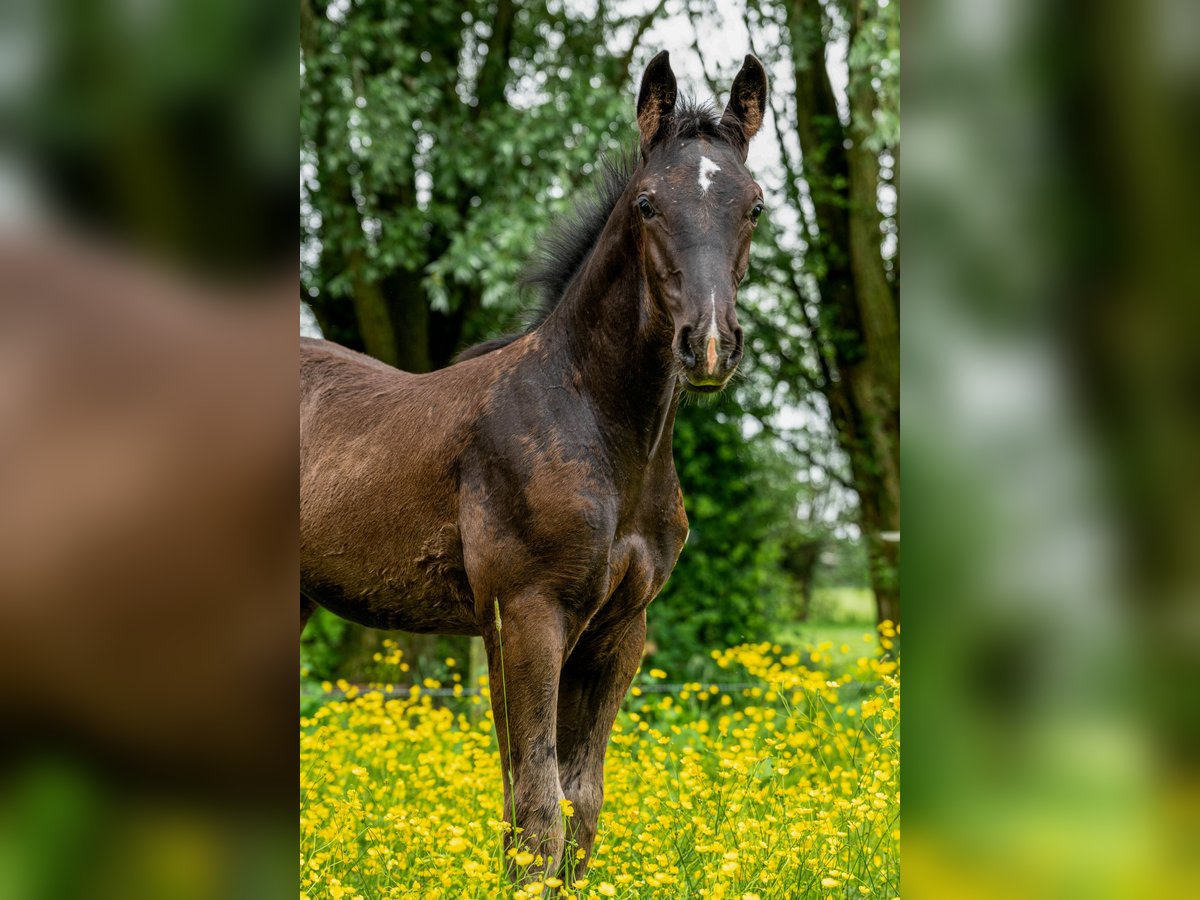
(644, 554)
(661, 521)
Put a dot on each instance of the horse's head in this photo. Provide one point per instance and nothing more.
(696, 207)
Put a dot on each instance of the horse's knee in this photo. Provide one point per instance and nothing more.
(586, 796)
(539, 814)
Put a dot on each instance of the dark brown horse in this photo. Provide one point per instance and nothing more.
(535, 475)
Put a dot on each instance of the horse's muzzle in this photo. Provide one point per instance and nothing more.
(709, 357)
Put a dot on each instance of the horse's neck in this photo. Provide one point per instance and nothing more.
(619, 349)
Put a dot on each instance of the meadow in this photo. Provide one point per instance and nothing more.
(783, 784)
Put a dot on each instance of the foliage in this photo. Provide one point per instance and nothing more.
(327, 652)
(843, 564)
(842, 606)
(321, 645)
(786, 788)
(874, 65)
(438, 141)
(727, 585)
(832, 268)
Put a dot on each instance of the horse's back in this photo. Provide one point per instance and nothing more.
(326, 367)
(379, 480)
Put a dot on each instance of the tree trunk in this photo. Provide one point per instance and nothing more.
(409, 311)
(373, 316)
(859, 320)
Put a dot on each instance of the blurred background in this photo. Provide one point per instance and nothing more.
(1050, 441)
(439, 140)
(148, 477)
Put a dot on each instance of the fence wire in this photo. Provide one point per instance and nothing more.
(406, 690)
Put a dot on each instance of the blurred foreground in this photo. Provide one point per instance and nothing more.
(147, 450)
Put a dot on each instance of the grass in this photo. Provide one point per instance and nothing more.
(839, 617)
(787, 788)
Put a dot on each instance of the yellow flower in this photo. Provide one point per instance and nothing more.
(567, 809)
(779, 741)
(657, 673)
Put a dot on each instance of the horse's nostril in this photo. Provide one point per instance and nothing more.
(736, 355)
(685, 346)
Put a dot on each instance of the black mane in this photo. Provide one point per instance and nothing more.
(568, 243)
(693, 119)
(565, 247)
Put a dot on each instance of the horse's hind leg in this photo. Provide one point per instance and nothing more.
(307, 608)
(524, 658)
(592, 685)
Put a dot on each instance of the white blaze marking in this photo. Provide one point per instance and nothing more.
(707, 167)
(713, 334)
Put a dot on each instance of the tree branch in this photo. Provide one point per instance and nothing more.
(791, 188)
(493, 77)
(806, 455)
(643, 26)
(308, 30)
(712, 84)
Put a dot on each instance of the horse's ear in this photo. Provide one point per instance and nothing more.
(656, 99)
(743, 117)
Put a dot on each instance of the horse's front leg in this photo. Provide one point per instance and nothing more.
(592, 686)
(525, 653)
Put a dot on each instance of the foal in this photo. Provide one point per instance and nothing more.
(527, 493)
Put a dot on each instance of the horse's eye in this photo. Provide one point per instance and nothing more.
(644, 206)
(756, 211)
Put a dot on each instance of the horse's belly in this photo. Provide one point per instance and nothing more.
(424, 590)
(422, 608)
